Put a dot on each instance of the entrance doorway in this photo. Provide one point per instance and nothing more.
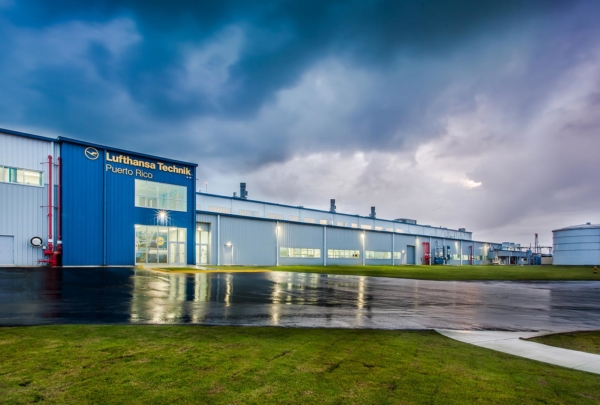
(410, 255)
(177, 253)
(202, 242)
(160, 245)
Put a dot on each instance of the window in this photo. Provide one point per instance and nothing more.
(309, 220)
(366, 227)
(150, 194)
(341, 224)
(20, 176)
(300, 252)
(397, 255)
(354, 226)
(378, 228)
(294, 218)
(370, 254)
(249, 213)
(274, 216)
(323, 221)
(343, 254)
(389, 229)
(222, 210)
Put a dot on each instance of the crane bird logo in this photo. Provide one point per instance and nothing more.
(91, 153)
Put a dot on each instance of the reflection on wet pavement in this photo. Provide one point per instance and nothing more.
(127, 295)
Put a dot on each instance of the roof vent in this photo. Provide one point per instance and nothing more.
(372, 214)
(332, 205)
(588, 223)
(243, 192)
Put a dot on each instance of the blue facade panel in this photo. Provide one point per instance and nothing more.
(99, 212)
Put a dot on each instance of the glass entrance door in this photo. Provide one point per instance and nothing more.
(177, 253)
(203, 254)
(160, 244)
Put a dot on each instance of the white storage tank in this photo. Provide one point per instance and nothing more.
(577, 245)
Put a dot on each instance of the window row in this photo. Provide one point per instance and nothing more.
(371, 254)
(343, 254)
(20, 176)
(150, 194)
(300, 252)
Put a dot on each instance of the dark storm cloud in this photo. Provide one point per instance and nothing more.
(281, 40)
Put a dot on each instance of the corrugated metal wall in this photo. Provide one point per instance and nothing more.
(301, 236)
(23, 216)
(253, 242)
(576, 247)
(23, 212)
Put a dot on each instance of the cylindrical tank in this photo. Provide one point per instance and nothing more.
(577, 245)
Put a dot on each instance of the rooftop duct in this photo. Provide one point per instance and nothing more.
(243, 192)
(372, 215)
(332, 205)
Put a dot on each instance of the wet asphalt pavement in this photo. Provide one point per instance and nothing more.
(133, 296)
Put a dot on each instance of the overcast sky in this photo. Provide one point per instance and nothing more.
(482, 114)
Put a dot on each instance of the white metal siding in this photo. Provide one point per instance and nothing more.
(23, 213)
(301, 236)
(576, 247)
(7, 250)
(253, 241)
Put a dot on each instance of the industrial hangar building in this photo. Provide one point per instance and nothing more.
(74, 203)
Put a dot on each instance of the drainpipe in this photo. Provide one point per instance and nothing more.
(392, 248)
(218, 240)
(324, 246)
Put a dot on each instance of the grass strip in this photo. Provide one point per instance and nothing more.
(445, 273)
(262, 365)
(582, 341)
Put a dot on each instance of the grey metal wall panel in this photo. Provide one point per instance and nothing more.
(301, 236)
(576, 247)
(253, 241)
(381, 242)
(7, 250)
(24, 153)
(346, 239)
(24, 216)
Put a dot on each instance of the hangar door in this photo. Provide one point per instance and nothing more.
(7, 247)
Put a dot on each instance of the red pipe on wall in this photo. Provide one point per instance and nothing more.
(49, 200)
(470, 254)
(58, 197)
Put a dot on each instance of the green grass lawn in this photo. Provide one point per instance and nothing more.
(444, 272)
(260, 365)
(582, 341)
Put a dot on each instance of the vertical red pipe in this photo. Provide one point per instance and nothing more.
(58, 201)
(49, 199)
(470, 254)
